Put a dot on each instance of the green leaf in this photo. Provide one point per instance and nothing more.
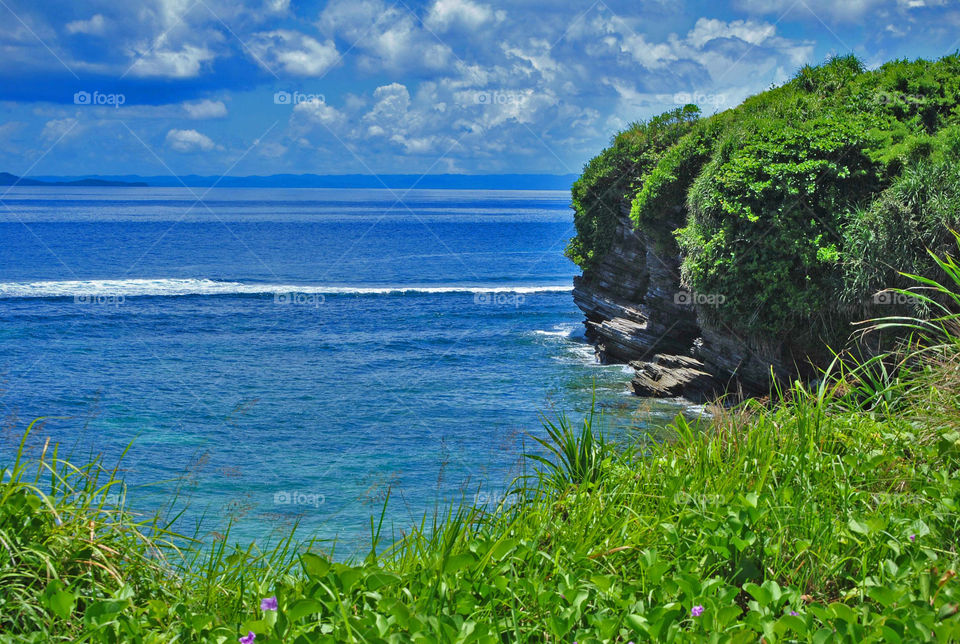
(349, 576)
(844, 612)
(858, 527)
(62, 603)
(727, 614)
(458, 562)
(101, 612)
(303, 607)
(890, 635)
(314, 565)
(637, 622)
(158, 608)
(762, 595)
(882, 595)
(502, 548)
(380, 579)
(201, 622)
(822, 636)
(794, 623)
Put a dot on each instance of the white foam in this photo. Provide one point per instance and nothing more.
(560, 331)
(173, 287)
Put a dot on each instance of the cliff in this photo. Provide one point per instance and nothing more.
(638, 313)
(728, 253)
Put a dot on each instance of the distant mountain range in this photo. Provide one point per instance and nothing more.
(391, 181)
(7, 179)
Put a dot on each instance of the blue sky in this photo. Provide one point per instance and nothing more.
(372, 86)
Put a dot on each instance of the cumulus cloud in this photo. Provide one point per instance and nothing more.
(185, 63)
(317, 111)
(94, 26)
(444, 15)
(386, 37)
(189, 141)
(293, 53)
(205, 109)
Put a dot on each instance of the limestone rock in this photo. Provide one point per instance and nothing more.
(670, 376)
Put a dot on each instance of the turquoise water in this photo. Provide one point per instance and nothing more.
(293, 355)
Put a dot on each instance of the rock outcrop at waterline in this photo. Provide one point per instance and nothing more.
(637, 313)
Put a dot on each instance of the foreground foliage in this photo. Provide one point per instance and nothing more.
(809, 520)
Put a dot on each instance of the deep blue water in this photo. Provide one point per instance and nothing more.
(312, 346)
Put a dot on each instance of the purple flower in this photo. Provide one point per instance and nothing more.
(913, 537)
(794, 613)
(268, 603)
(697, 610)
(248, 638)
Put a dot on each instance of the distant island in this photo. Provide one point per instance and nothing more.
(354, 181)
(7, 179)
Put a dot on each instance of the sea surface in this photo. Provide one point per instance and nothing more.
(281, 356)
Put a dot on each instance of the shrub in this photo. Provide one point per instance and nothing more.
(893, 234)
(611, 176)
(663, 189)
(764, 221)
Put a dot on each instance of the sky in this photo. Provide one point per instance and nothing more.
(241, 87)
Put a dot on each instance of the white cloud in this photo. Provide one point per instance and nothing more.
(185, 63)
(189, 141)
(391, 104)
(318, 112)
(537, 55)
(277, 6)
(95, 26)
(59, 129)
(292, 52)
(749, 31)
(386, 37)
(464, 14)
(205, 109)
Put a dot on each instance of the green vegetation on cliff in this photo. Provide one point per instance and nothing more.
(798, 204)
(613, 174)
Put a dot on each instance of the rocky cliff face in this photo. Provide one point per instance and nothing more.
(636, 312)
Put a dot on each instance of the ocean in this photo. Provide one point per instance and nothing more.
(278, 356)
